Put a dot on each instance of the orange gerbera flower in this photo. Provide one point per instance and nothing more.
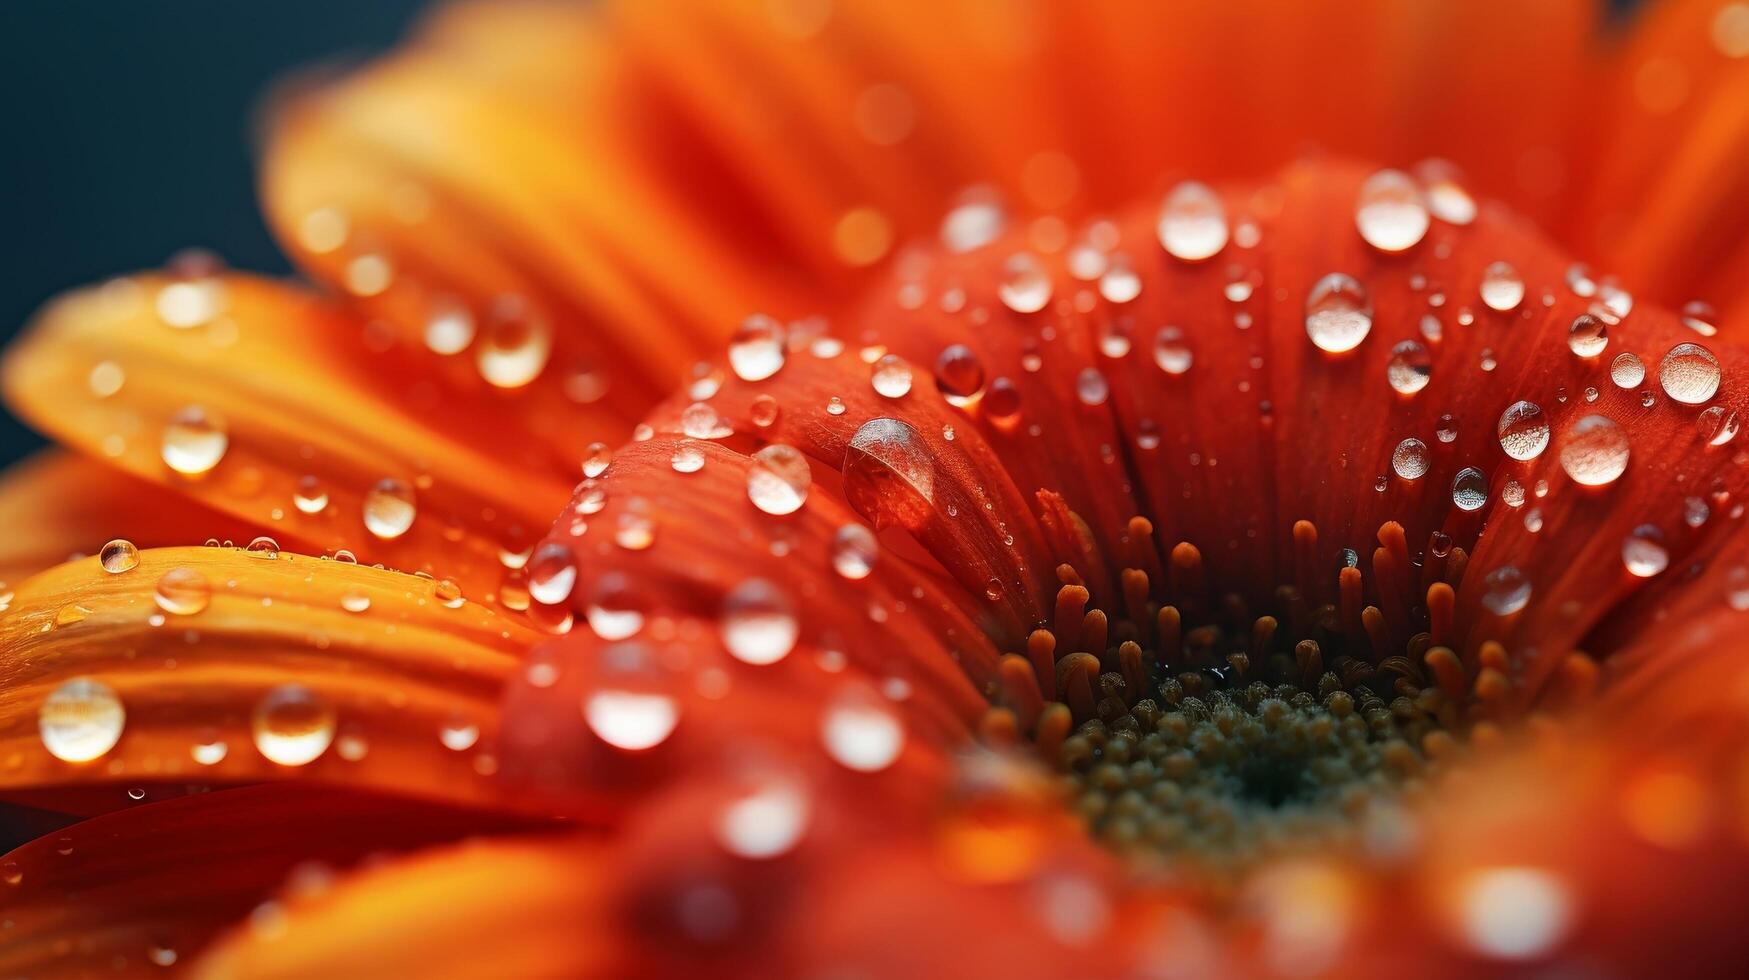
(1195, 554)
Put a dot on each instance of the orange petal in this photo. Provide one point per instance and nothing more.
(234, 666)
(56, 506)
(149, 886)
(291, 384)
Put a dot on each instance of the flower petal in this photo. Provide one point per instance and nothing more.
(379, 663)
(289, 393)
(149, 886)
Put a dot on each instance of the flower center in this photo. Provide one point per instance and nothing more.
(1200, 730)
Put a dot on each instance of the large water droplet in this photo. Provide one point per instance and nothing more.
(1338, 313)
(80, 720)
(891, 376)
(756, 350)
(1643, 553)
(1026, 286)
(552, 573)
(889, 475)
(1717, 425)
(1446, 197)
(1410, 367)
(1502, 287)
(1588, 336)
(758, 624)
(293, 725)
(615, 609)
(182, 592)
(515, 346)
(1689, 374)
(1469, 489)
(194, 442)
(1193, 222)
(959, 374)
(1627, 370)
(310, 496)
(389, 509)
(861, 732)
(632, 709)
(1410, 460)
(1523, 430)
(778, 479)
(765, 821)
(1389, 212)
(1700, 317)
(1505, 590)
(119, 556)
(1596, 451)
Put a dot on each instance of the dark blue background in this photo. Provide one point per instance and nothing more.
(126, 133)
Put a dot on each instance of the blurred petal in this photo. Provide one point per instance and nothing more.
(194, 643)
(289, 387)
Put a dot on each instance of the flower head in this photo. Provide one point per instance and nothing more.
(1174, 555)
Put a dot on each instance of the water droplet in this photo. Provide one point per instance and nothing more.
(389, 509)
(614, 612)
(1410, 460)
(633, 708)
(1695, 511)
(1523, 430)
(458, 734)
(263, 547)
(1596, 451)
(449, 327)
(1627, 370)
(194, 442)
(959, 374)
(119, 556)
(1410, 367)
(860, 732)
(854, 550)
(310, 497)
(446, 591)
(1502, 288)
(687, 458)
(634, 530)
(1643, 552)
(1588, 336)
(1389, 212)
(597, 457)
(765, 821)
(1120, 284)
(1002, 404)
(355, 601)
(1689, 374)
(552, 573)
(516, 344)
(1193, 222)
(758, 624)
(1717, 425)
(891, 376)
(1446, 197)
(889, 476)
(293, 725)
(182, 592)
(975, 222)
(209, 751)
(1338, 313)
(1514, 913)
(764, 411)
(105, 379)
(1091, 387)
(1505, 590)
(1701, 318)
(1447, 429)
(1469, 489)
(1170, 351)
(81, 720)
(756, 349)
(1025, 287)
(778, 479)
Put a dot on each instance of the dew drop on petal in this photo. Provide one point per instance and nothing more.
(1446, 197)
(891, 376)
(1171, 353)
(1523, 430)
(1091, 387)
(119, 556)
(1389, 212)
(1338, 313)
(854, 550)
(1410, 459)
(449, 327)
(1469, 489)
(1193, 222)
(1596, 451)
(764, 411)
(686, 458)
(355, 601)
(861, 732)
(310, 496)
(614, 611)
(209, 751)
(778, 479)
(633, 708)
(1514, 913)
(1502, 287)
(959, 374)
(975, 222)
(81, 720)
(1689, 373)
(1627, 370)
(389, 509)
(552, 573)
(1718, 425)
(106, 378)
(1025, 286)
(514, 349)
(194, 442)
(766, 821)
(597, 457)
(1410, 367)
(757, 348)
(889, 475)
(182, 592)
(1643, 553)
(293, 725)
(1701, 318)
(1002, 404)
(1505, 590)
(1447, 430)
(1588, 336)
(458, 734)
(758, 623)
